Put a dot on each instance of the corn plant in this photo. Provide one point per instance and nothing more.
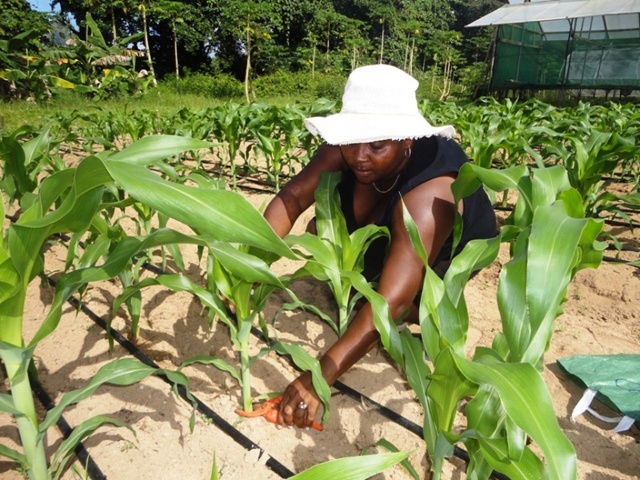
(507, 399)
(333, 254)
(25, 159)
(77, 193)
(229, 128)
(236, 276)
(352, 468)
(221, 219)
(589, 157)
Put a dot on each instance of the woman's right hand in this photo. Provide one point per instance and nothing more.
(299, 392)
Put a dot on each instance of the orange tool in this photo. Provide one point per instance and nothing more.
(270, 410)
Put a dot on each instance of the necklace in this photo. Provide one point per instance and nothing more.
(388, 189)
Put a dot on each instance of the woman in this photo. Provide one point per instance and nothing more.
(385, 150)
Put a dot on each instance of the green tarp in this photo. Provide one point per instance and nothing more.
(612, 379)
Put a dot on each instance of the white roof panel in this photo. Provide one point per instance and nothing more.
(556, 10)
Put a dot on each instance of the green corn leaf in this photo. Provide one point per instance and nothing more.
(330, 222)
(418, 373)
(387, 445)
(307, 363)
(120, 372)
(10, 282)
(554, 255)
(297, 303)
(7, 405)
(385, 325)
(14, 455)
(476, 255)
(415, 366)
(447, 386)
(219, 363)
(471, 177)
(244, 266)
(214, 468)
(19, 359)
(527, 402)
(361, 239)
(118, 259)
(66, 449)
(179, 283)
(528, 467)
(547, 183)
(321, 252)
(151, 148)
(225, 215)
(352, 468)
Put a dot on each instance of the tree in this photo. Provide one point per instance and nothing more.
(249, 23)
(176, 13)
(16, 17)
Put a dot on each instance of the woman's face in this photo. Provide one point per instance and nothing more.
(376, 161)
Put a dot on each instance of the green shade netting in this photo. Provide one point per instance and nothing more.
(612, 379)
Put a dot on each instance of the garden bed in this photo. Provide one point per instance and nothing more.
(601, 316)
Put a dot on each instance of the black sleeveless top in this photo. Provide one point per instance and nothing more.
(431, 157)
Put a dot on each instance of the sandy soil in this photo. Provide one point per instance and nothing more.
(601, 316)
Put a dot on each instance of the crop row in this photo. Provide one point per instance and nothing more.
(159, 177)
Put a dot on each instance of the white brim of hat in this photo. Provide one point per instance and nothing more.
(348, 128)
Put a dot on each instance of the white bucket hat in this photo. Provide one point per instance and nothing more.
(379, 103)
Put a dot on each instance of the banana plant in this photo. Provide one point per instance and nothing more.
(333, 254)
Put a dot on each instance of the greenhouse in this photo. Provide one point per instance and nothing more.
(566, 44)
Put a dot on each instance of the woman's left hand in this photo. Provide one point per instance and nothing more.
(297, 395)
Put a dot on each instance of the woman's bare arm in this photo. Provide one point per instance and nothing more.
(431, 205)
(298, 194)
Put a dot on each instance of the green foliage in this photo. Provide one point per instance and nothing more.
(508, 398)
(68, 201)
(299, 85)
(25, 72)
(221, 86)
(333, 255)
(352, 468)
(16, 17)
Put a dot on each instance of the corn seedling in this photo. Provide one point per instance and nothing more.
(507, 399)
(78, 194)
(352, 468)
(333, 254)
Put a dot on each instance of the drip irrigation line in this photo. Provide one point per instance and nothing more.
(618, 261)
(220, 422)
(227, 428)
(623, 249)
(618, 223)
(85, 459)
(395, 417)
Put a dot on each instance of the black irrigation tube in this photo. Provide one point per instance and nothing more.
(85, 459)
(227, 428)
(236, 435)
(217, 420)
(395, 417)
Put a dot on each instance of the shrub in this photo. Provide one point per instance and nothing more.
(219, 86)
(299, 85)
